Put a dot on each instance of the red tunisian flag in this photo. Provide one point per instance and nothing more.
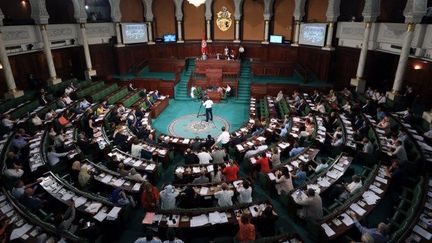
(204, 49)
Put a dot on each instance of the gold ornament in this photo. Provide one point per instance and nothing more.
(224, 21)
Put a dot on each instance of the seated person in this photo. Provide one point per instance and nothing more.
(30, 201)
(300, 175)
(322, 166)
(14, 168)
(295, 150)
(190, 157)
(120, 199)
(202, 179)
(54, 157)
(379, 234)
(344, 190)
(266, 222)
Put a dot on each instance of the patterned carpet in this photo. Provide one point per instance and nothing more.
(180, 119)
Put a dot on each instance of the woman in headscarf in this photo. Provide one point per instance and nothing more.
(168, 197)
(75, 170)
(84, 176)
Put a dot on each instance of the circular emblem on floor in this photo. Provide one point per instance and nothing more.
(190, 126)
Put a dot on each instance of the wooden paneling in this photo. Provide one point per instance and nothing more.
(217, 6)
(60, 12)
(103, 59)
(193, 21)
(315, 59)
(253, 20)
(316, 10)
(132, 11)
(164, 17)
(283, 18)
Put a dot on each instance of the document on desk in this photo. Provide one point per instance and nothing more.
(422, 232)
(18, 232)
(199, 220)
(100, 216)
(93, 208)
(329, 232)
(148, 218)
(380, 179)
(204, 191)
(113, 214)
(271, 176)
(323, 181)
(347, 220)
(107, 179)
(6, 208)
(136, 187)
(80, 201)
(356, 208)
(119, 182)
(217, 218)
(67, 196)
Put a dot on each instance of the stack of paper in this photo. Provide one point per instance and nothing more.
(113, 214)
(199, 220)
(329, 232)
(356, 208)
(218, 218)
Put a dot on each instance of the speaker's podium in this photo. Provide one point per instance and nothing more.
(212, 73)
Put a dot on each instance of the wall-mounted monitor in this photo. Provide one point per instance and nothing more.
(276, 39)
(134, 33)
(312, 34)
(170, 38)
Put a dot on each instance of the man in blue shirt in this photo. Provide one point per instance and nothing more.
(295, 150)
(300, 175)
(378, 234)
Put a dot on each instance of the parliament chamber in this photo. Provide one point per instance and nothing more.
(216, 121)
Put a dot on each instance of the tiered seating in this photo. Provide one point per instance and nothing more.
(94, 87)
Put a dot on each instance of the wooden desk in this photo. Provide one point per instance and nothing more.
(158, 107)
(215, 96)
(227, 66)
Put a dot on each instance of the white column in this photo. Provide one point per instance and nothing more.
(237, 31)
(89, 72)
(208, 30)
(180, 32)
(118, 35)
(296, 33)
(266, 32)
(358, 81)
(47, 49)
(403, 59)
(150, 32)
(329, 38)
(10, 81)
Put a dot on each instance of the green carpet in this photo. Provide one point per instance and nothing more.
(235, 114)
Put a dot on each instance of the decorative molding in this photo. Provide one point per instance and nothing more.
(100, 30)
(268, 9)
(1, 17)
(238, 9)
(80, 13)
(116, 15)
(333, 10)
(371, 10)
(208, 9)
(178, 9)
(148, 10)
(414, 11)
(39, 12)
(299, 10)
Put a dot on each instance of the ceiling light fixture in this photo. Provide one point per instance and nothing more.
(196, 3)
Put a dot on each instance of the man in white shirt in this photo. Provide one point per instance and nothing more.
(204, 156)
(224, 196)
(7, 122)
(400, 152)
(323, 165)
(245, 192)
(208, 103)
(168, 197)
(223, 138)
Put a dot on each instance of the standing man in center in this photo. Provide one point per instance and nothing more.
(208, 103)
